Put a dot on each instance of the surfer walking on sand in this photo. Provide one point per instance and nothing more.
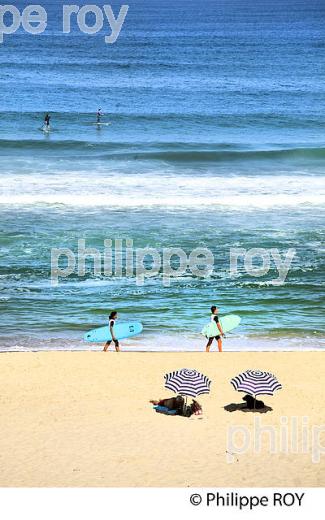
(215, 318)
(111, 323)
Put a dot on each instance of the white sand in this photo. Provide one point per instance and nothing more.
(83, 419)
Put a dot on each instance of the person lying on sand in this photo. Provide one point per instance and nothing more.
(173, 403)
(111, 322)
(178, 404)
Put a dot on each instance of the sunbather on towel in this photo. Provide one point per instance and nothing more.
(173, 403)
(177, 403)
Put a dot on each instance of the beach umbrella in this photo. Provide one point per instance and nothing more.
(256, 382)
(187, 382)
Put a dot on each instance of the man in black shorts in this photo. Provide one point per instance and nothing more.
(215, 318)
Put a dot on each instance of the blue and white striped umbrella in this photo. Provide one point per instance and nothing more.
(187, 382)
(256, 382)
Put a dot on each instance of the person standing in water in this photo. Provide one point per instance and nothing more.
(214, 317)
(47, 119)
(111, 323)
(99, 115)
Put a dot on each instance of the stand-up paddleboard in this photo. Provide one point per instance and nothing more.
(121, 331)
(228, 323)
(94, 123)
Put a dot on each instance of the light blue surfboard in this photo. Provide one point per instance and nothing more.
(228, 323)
(121, 331)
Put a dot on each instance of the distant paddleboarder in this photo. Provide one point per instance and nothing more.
(46, 127)
(99, 115)
(47, 119)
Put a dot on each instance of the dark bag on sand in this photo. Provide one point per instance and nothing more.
(252, 403)
(188, 411)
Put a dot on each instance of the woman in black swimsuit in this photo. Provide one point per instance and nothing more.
(111, 322)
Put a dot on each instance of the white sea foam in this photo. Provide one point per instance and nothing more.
(168, 343)
(117, 190)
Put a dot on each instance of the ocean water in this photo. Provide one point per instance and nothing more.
(215, 139)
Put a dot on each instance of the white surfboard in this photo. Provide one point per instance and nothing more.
(228, 323)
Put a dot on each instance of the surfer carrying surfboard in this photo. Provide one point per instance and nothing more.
(215, 318)
(111, 322)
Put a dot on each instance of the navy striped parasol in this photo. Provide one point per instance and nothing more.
(187, 382)
(256, 382)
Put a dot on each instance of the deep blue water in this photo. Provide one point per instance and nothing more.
(215, 138)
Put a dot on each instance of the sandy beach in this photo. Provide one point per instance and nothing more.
(84, 419)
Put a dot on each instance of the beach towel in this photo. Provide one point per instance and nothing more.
(165, 410)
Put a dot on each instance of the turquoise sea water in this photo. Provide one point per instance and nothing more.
(216, 139)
